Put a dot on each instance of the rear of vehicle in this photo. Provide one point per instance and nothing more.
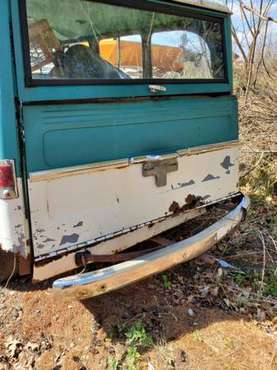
(127, 127)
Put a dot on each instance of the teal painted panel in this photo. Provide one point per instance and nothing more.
(8, 126)
(68, 135)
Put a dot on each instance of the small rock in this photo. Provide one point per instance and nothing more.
(14, 347)
(150, 366)
(171, 363)
(33, 347)
(190, 312)
(227, 302)
(261, 316)
(183, 356)
(219, 273)
(214, 292)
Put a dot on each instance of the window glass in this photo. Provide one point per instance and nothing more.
(89, 40)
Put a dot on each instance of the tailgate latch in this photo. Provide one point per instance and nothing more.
(159, 168)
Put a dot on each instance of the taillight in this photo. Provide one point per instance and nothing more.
(8, 188)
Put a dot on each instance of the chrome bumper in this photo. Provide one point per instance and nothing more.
(94, 283)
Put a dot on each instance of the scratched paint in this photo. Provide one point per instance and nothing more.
(182, 184)
(108, 203)
(210, 177)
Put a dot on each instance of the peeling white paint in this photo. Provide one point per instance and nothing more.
(69, 210)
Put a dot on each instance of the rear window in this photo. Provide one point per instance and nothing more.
(97, 41)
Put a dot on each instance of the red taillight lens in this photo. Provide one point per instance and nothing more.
(6, 176)
(8, 187)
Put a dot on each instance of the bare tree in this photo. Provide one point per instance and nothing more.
(251, 36)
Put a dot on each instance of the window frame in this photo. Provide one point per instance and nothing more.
(165, 8)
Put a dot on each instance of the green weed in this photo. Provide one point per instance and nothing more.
(271, 286)
(166, 281)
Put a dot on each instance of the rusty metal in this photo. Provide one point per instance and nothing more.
(84, 258)
(159, 168)
(24, 265)
(162, 241)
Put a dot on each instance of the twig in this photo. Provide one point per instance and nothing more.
(254, 167)
(256, 12)
(264, 260)
(12, 273)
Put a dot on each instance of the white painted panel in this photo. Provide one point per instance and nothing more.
(69, 210)
(12, 224)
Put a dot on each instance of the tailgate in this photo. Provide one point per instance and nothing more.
(93, 170)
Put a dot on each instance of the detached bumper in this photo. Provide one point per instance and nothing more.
(94, 283)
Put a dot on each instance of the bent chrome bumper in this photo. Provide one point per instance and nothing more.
(94, 283)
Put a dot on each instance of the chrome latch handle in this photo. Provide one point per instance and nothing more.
(154, 89)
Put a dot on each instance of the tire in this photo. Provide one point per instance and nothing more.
(6, 265)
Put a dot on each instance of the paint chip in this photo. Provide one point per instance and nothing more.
(210, 177)
(226, 164)
(79, 224)
(73, 238)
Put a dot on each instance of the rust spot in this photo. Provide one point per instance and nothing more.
(48, 240)
(191, 202)
(174, 207)
(102, 288)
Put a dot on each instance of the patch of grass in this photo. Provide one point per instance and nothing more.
(166, 281)
(137, 340)
(137, 335)
(132, 358)
(197, 335)
(240, 279)
(262, 180)
(253, 279)
(272, 223)
(271, 286)
(113, 363)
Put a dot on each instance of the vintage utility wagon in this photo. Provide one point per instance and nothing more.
(117, 122)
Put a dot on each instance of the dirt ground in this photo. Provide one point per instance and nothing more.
(42, 332)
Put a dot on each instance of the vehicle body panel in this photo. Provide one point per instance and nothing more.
(70, 135)
(12, 212)
(80, 152)
(98, 203)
